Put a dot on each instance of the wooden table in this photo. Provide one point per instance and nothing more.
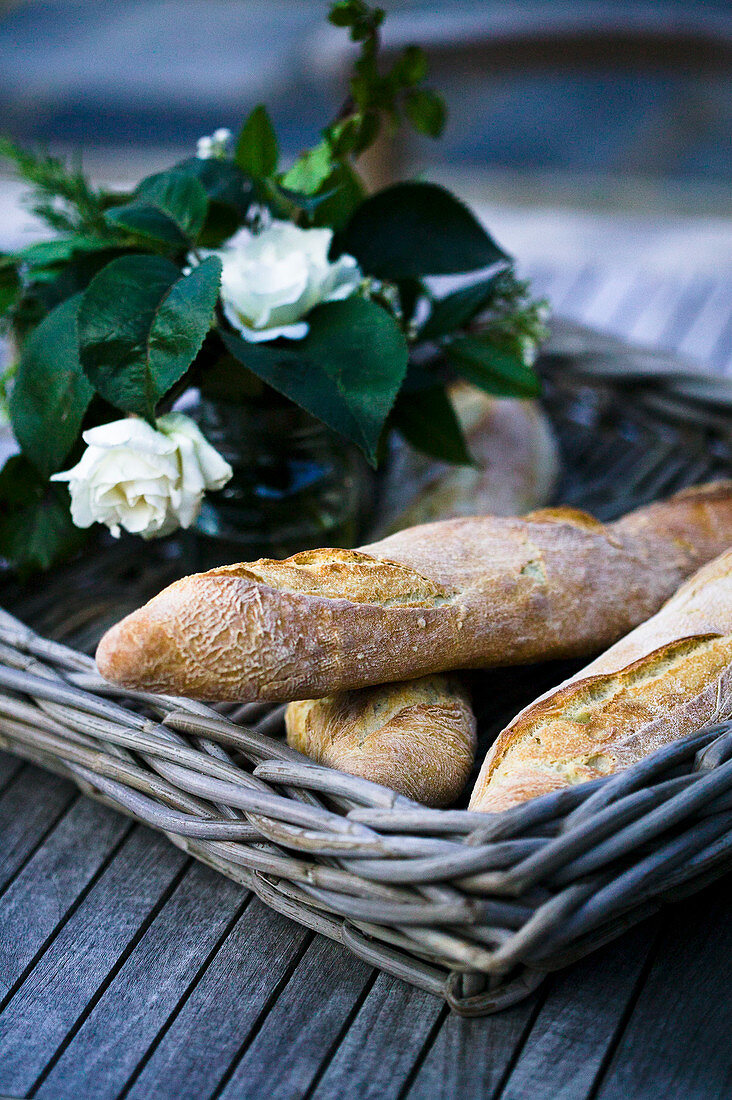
(127, 970)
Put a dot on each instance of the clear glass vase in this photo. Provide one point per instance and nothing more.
(296, 484)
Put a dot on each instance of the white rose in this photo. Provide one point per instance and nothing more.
(148, 481)
(272, 278)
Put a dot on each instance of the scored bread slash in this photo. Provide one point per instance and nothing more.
(665, 680)
(489, 591)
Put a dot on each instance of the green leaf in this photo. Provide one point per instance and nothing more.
(310, 171)
(362, 19)
(141, 325)
(416, 229)
(51, 392)
(411, 67)
(426, 111)
(223, 182)
(10, 285)
(36, 529)
(144, 220)
(53, 285)
(340, 14)
(280, 196)
(169, 207)
(230, 195)
(222, 223)
(456, 309)
(427, 420)
(491, 368)
(410, 292)
(346, 372)
(257, 152)
(60, 250)
(344, 195)
(179, 195)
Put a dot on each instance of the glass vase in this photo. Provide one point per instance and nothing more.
(296, 484)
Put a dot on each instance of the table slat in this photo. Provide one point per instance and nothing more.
(125, 1021)
(242, 982)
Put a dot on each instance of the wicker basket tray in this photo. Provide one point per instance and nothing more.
(474, 908)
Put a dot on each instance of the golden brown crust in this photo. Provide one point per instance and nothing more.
(453, 594)
(515, 466)
(327, 573)
(418, 737)
(663, 681)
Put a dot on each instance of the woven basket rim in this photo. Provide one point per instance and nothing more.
(472, 907)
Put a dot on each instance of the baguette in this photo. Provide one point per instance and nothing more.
(515, 466)
(459, 593)
(417, 738)
(667, 679)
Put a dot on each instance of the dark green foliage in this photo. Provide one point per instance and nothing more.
(141, 324)
(36, 529)
(257, 150)
(50, 391)
(428, 422)
(347, 371)
(411, 230)
(106, 315)
(497, 370)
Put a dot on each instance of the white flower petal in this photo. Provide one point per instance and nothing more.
(148, 480)
(273, 278)
(259, 336)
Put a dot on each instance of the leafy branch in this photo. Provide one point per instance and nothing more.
(124, 306)
(61, 196)
(323, 186)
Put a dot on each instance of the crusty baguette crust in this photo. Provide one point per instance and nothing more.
(454, 594)
(418, 737)
(516, 464)
(665, 680)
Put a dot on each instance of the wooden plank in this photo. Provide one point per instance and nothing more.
(384, 1041)
(555, 283)
(125, 1021)
(52, 881)
(703, 334)
(677, 1040)
(610, 292)
(579, 1020)
(69, 974)
(695, 294)
(721, 357)
(575, 295)
(304, 1024)
(657, 308)
(46, 796)
(472, 1057)
(216, 1019)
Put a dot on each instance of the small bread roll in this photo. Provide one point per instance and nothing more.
(665, 680)
(515, 471)
(417, 738)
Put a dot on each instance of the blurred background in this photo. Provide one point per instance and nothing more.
(586, 133)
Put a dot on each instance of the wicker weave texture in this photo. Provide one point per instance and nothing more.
(474, 908)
